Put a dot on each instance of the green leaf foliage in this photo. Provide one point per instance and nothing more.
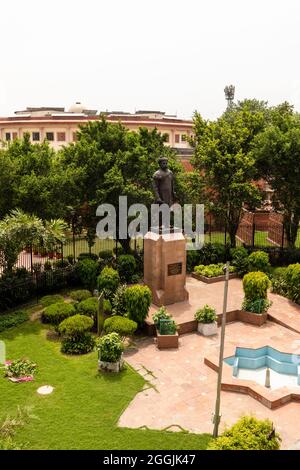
(75, 325)
(259, 261)
(51, 299)
(121, 325)
(9, 320)
(56, 313)
(110, 347)
(138, 300)
(256, 286)
(206, 314)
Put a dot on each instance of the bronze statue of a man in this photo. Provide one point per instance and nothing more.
(164, 184)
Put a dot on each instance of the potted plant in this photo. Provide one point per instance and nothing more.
(110, 352)
(206, 318)
(166, 329)
(20, 370)
(255, 304)
(161, 314)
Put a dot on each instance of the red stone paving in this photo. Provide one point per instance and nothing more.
(183, 392)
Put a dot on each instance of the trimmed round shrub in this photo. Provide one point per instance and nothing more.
(56, 313)
(248, 433)
(292, 279)
(80, 295)
(107, 307)
(106, 255)
(259, 261)
(86, 270)
(126, 265)
(256, 285)
(51, 299)
(76, 336)
(92, 256)
(138, 300)
(119, 301)
(110, 347)
(121, 325)
(88, 307)
(206, 314)
(108, 281)
(75, 325)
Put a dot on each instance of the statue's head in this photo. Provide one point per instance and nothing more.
(163, 163)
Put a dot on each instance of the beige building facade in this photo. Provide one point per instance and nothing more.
(59, 127)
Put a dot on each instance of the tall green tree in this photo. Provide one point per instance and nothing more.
(223, 158)
(277, 154)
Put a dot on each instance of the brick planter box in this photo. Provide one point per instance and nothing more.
(257, 319)
(167, 341)
(211, 280)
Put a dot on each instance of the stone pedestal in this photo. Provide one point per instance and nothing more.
(165, 267)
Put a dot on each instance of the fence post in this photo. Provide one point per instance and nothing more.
(253, 234)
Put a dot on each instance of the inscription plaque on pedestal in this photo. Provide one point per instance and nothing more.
(174, 268)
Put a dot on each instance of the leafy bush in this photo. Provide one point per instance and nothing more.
(91, 256)
(110, 347)
(167, 326)
(121, 325)
(248, 433)
(9, 320)
(192, 259)
(75, 325)
(20, 368)
(239, 257)
(88, 307)
(259, 261)
(256, 306)
(126, 265)
(138, 300)
(108, 281)
(61, 263)
(212, 253)
(86, 269)
(106, 255)
(77, 339)
(56, 313)
(161, 314)
(15, 289)
(212, 270)
(47, 266)
(278, 280)
(206, 314)
(107, 306)
(256, 286)
(292, 279)
(51, 299)
(80, 295)
(119, 301)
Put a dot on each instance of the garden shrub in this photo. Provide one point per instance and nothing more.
(121, 325)
(47, 266)
(91, 256)
(61, 263)
(138, 300)
(248, 433)
(76, 336)
(256, 285)
(10, 320)
(212, 270)
(119, 301)
(161, 314)
(259, 261)
(206, 314)
(86, 270)
(110, 347)
(256, 306)
(213, 253)
(239, 259)
(108, 281)
(106, 255)
(88, 307)
(51, 299)
(15, 289)
(79, 295)
(192, 259)
(292, 279)
(107, 307)
(126, 265)
(278, 280)
(56, 313)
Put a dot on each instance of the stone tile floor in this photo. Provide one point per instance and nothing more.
(183, 388)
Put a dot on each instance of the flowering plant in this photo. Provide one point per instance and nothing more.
(20, 368)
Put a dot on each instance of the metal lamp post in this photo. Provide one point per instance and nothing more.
(217, 416)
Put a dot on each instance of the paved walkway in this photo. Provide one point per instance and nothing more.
(183, 392)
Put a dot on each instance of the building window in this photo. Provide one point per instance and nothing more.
(61, 136)
(183, 137)
(50, 136)
(177, 136)
(14, 135)
(7, 136)
(36, 136)
(167, 137)
(75, 138)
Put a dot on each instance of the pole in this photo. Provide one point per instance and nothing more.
(217, 417)
(73, 231)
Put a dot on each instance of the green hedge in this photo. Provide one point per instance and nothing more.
(259, 261)
(51, 299)
(256, 285)
(212, 270)
(9, 320)
(126, 265)
(121, 325)
(79, 295)
(292, 279)
(108, 281)
(138, 300)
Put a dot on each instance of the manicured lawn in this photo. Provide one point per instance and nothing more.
(83, 410)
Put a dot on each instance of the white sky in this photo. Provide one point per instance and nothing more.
(169, 55)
